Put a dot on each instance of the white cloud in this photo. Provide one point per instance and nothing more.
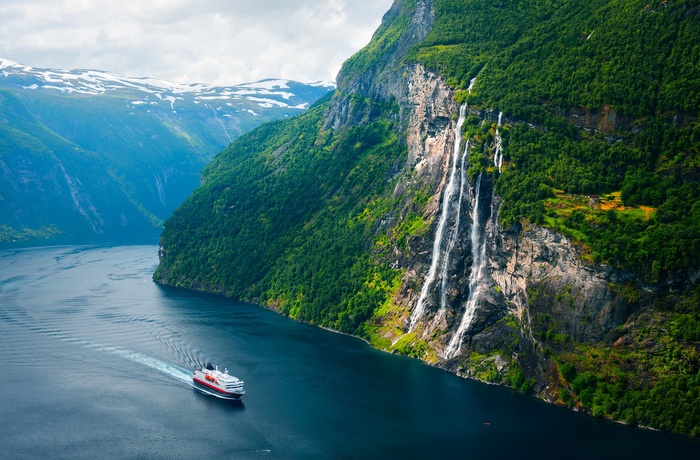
(213, 41)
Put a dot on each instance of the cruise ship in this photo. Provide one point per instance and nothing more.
(218, 383)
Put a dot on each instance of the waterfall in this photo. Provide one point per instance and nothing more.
(498, 154)
(478, 243)
(471, 85)
(455, 230)
(447, 197)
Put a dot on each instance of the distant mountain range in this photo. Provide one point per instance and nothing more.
(144, 140)
(148, 93)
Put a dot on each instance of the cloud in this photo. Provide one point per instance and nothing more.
(214, 41)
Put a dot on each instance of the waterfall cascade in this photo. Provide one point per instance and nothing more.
(447, 197)
(478, 245)
(463, 184)
(447, 236)
(471, 85)
(498, 151)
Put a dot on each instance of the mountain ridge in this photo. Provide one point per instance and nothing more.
(458, 213)
(152, 136)
(95, 82)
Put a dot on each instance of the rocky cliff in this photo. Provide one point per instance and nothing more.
(477, 298)
(441, 206)
(528, 272)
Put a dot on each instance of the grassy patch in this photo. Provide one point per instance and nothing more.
(613, 201)
(577, 216)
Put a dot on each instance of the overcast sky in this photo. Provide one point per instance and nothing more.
(190, 41)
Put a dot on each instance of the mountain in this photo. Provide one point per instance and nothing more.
(42, 172)
(150, 138)
(507, 190)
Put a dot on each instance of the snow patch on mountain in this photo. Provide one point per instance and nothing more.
(265, 93)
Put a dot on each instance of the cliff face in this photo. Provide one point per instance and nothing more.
(526, 274)
(535, 275)
(467, 274)
(379, 73)
(419, 217)
(539, 271)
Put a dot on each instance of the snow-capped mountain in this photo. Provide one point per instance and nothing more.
(146, 139)
(267, 93)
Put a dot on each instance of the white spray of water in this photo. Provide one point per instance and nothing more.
(455, 231)
(498, 155)
(478, 243)
(439, 234)
(471, 85)
(170, 369)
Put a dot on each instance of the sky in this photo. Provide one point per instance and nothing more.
(222, 42)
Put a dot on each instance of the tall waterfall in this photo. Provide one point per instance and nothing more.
(448, 195)
(463, 183)
(498, 154)
(478, 244)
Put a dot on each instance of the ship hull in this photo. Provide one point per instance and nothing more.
(212, 389)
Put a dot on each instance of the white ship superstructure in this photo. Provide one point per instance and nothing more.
(219, 383)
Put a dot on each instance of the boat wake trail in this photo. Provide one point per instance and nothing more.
(172, 370)
(177, 372)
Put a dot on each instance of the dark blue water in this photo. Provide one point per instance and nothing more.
(95, 362)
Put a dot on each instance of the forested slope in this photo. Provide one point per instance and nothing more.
(328, 217)
(148, 138)
(50, 186)
(285, 203)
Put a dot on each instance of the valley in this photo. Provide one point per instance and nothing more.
(148, 140)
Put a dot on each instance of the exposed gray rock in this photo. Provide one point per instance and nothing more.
(535, 274)
(386, 79)
(538, 271)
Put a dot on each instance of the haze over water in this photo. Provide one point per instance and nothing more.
(96, 362)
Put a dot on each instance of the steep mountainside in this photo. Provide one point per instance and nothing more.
(152, 138)
(41, 172)
(508, 190)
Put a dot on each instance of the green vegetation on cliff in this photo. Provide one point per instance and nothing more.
(603, 95)
(279, 218)
(646, 374)
(601, 143)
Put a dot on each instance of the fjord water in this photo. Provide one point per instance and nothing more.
(96, 358)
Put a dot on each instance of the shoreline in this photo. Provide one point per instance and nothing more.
(435, 365)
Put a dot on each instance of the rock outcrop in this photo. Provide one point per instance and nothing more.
(538, 271)
(535, 275)
(385, 79)
(386, 222)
